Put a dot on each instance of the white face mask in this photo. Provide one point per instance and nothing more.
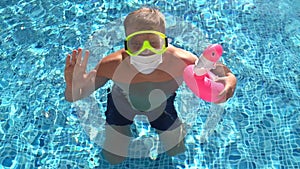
(146, 64)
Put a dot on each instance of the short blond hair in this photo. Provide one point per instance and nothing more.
(145, 19)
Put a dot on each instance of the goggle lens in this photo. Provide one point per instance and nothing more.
(137, 42)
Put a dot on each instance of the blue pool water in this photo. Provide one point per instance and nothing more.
(260, 125)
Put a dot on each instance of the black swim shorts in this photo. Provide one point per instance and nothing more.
(168, 120)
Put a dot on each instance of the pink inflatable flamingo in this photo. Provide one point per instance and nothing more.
(200, 79)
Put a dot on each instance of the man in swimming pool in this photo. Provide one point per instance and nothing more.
(146, 75)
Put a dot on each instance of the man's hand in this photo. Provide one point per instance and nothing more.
(229, 82)
(75, 73)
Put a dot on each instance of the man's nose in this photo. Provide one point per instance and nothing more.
(146, 52)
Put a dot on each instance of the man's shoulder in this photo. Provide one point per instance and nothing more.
(114, 58)
(109, 63)
(181, 54)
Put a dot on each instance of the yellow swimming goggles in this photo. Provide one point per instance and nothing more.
(138, 42)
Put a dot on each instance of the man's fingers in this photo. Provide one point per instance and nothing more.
(221, 79)
(222, 93)
(68, 60)
(74, 57)
(79, 56)
(222, 96)
(85, 59)
(92, 75)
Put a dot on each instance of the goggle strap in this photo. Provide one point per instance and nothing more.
(166, 42)
(125, 45)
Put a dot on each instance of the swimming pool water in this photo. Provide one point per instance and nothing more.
(260, 126)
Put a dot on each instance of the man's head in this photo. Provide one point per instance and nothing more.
(145, 30)
(144, 19)
(145, 39)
